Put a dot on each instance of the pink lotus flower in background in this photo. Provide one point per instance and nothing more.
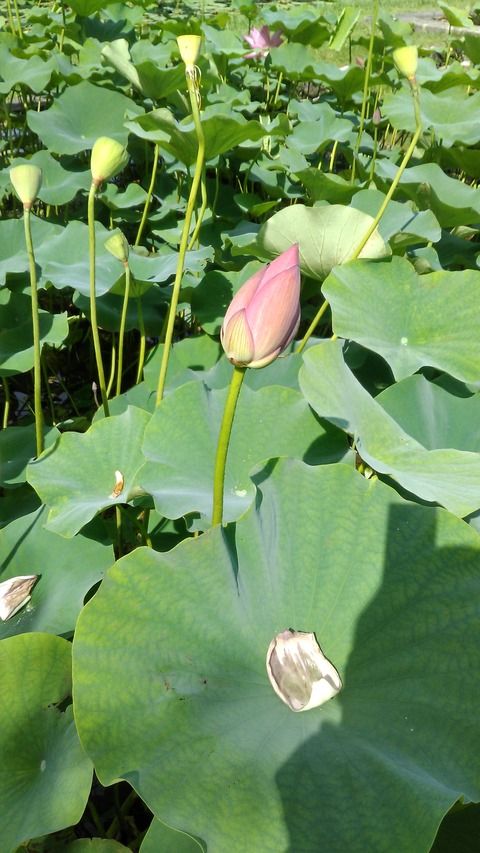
(261, 41)
(263, 316)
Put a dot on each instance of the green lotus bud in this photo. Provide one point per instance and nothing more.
(117, 245)
(299, 672)
(189, 47)
(26, 181)
(109, 157)
(406, 60)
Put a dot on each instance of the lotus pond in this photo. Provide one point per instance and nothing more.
(240, 444)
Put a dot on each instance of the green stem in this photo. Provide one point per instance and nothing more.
(148, 199)
(17, 14)
(366, 86)
(37, 369)
(6, 410)
(93, 300)
(313, 325)
(10, 18)
(192, 91)
(113, 361)
(355, 254)
(123, 321)
(403, 165)
(141, 353)
(201, 212)
(277, 90)
(118, 524)
(223, 442)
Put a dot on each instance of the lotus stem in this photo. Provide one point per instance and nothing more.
(6, 409)
(141, 352)
(37, 368)
(192, 83)
(403, 165)
(203, 207)
(113, 361)
(123, 321)
(93, 300)
(224, 441)
(361, 245)
(148, 199)
(366, 87)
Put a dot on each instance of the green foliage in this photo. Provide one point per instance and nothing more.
(336, 449)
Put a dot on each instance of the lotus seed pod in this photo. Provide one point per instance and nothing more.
(14, 593)
(26, 181)
(189, 47)
(406, 61)
(117, 245)
(299, 672)
(109, 157)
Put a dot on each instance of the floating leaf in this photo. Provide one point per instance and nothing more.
(45, 775)
(81, 115)
(66, 571)
(186, 426)
(76, 476)
(327, 236)
(410, 320)
(447, 476)
(388, 586)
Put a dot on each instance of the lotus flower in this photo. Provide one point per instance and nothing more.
(263, 317)
(261, 41)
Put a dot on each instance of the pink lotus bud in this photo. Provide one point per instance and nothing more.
(263, 317)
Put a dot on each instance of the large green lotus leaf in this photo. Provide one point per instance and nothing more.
(222, 132)
(326, 186)
(447, 476)
(76, 477)
(145, 68)
(13, 254)
(32, 72)
(79, 116)
(88, 7)
(453, 116)
(45, 776)
(64, 261)
(16, 332)
(391, 590)
(432, 415)
(400, 223)
(298, 62)
(67, 570)
(410, 320)
(455, 16)
(326, 236)
(17, 447)
(301, 23)
(168, 840)
(186, 427)
(223, 41)
(59, 185)
(187, 357)
(452, 201)
(17, 502)
(311, 136)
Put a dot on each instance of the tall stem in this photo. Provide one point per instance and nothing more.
(148, 199)
(223, 442)
(93, 299)
(403, 165)
(141, 352)
(361, 245)
(197, 176)
(123, 321)
(6, 410)
(366, 87)
(37, 368)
